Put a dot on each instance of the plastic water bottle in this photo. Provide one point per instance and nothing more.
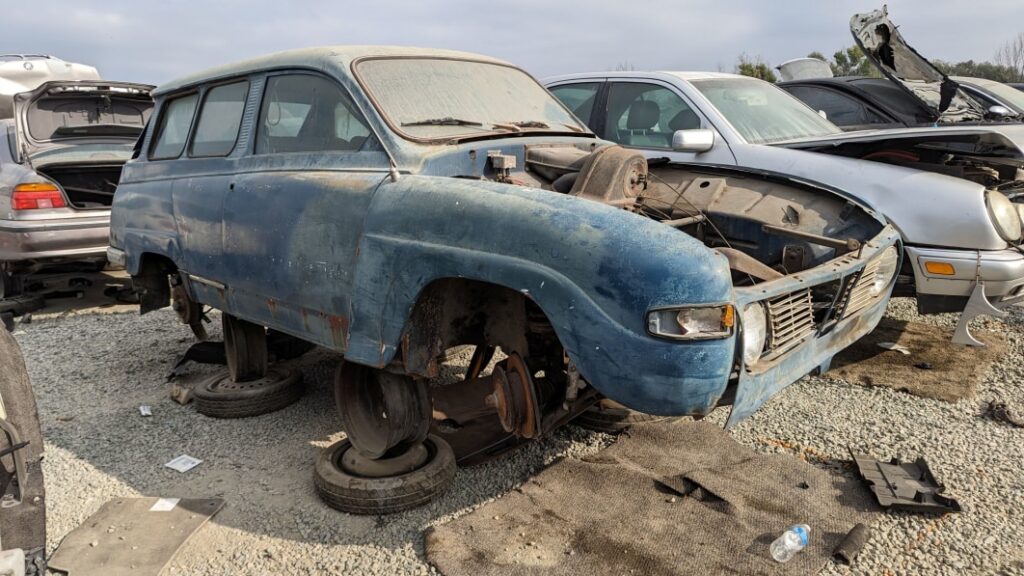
(792, 541)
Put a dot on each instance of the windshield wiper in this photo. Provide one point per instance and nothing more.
(528, 124)
(446, 121)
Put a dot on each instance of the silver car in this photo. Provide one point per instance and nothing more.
(963, 240)
(60, 160)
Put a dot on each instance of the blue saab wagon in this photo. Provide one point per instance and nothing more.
(393, 204)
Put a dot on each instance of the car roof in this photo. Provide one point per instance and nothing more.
(683, 75)
(327, 58)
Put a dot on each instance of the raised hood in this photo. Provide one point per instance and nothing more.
(883, 44)
(81, 117)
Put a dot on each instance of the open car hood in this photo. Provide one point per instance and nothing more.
(66, 113)
(883, 44)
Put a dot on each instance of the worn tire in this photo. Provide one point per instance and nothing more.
(611, 417)
(357, 495)
(219, 397)
(245, 347)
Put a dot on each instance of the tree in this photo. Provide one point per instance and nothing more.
(756, 68)
(851, 61)
(625, 66)
(997, 72)
(1011, 55)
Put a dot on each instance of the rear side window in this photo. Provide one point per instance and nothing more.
(173, 129)
(306, 113)
(579, 98)
(219, 119)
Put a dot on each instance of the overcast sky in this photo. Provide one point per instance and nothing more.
(149, 42)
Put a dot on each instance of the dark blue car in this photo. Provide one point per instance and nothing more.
(393, 204)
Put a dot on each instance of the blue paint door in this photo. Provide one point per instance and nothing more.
(294, 213)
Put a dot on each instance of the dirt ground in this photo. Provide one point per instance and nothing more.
(934, 368)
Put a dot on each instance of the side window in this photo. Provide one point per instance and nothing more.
(307, 113)
(841, 109)
(646, 115)
(175, 120)
(219, 119)
(579, 98)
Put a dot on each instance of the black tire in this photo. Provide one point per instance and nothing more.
(357, 495)
(611, 417)
(245, 345)
(221, 397)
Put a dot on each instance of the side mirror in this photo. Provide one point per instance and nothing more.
(999, 111)
(696, 140)
(823, 114)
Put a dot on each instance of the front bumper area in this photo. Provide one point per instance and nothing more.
(54, 240)
(842, 327)
(1002, 271)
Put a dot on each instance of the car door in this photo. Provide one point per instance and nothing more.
(293, 214)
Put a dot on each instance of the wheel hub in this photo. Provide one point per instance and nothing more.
(352, 462)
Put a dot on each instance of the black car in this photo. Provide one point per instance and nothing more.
(861, 102)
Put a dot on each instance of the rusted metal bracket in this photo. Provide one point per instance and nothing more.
(847, 244)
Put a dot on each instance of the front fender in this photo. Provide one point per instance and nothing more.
(594, 270)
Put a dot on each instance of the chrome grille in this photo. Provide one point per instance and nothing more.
(858, 295)
(791, 320)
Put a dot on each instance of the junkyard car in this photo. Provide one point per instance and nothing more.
(60, 160)
(22, 494)
(394, 203)
(962, 234)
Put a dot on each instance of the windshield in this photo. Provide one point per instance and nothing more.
(1006, 93)
(437, 99)
(761, 112)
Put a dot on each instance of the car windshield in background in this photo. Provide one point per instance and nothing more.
(439, 99)
(76, 115)
(763, 113)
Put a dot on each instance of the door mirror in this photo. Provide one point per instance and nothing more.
(823, 114)
(697, 140)
(999, 111)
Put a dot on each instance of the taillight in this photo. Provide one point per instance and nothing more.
(36, 197)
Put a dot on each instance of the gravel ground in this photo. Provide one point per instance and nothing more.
(91, 372)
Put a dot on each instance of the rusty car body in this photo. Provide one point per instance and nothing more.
(393, 203)
(60, 159)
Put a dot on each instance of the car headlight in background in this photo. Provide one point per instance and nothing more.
(888, 265)
(1004, 215)
(755, 332)
(692, 323)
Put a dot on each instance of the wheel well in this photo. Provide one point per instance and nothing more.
(455, 311)
(151, 281)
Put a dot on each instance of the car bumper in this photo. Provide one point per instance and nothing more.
(56, 239)
(1002, 271)
(673, 378)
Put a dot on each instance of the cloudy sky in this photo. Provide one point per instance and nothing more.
(150, 42)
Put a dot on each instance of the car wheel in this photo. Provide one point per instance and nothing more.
(611, 417)
(222, 397)
(245, 345)
(351, 483)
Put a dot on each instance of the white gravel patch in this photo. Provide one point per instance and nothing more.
(91, 372)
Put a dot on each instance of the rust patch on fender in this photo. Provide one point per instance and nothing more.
(339, 328)
(272, 305)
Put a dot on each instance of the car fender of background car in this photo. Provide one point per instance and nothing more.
(23, 514)
(961, 238)
(362, 253)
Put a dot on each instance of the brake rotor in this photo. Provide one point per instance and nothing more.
(515, 398)
(188, 311)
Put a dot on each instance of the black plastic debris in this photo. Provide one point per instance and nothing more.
(902, 486)
(852, 544)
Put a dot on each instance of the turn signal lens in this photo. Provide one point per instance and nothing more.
(698, 323)
(940, 268)
(37, 196)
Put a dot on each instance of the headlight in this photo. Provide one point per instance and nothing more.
(888, 265)
(755, 332)
(692, 323)
(1004, 215)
